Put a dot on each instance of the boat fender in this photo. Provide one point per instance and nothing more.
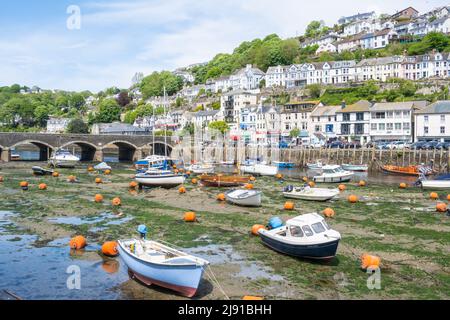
(275, 222)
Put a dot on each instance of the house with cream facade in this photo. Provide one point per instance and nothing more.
(433, 122)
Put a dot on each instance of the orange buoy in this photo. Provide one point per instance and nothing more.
(90, 169)
(55, 174)
(441, 207)
(72, 178)
(434, 196)
(252, 298)
(368, 261)
(133, 185)
(176, 171)
(329, 213)
(194, 181)
(353, 199)
(78, 243)
(252, 178)
(188, 173)
(312, 184)
(249, 186)
(279, 176)
(289, 206)
(98, 198)
(402, 185)
(110, 249)
(174, 166)
(362, 183)
(221, 197)
(448, 197)
(98, 181)
(342, 187)
(1, 179)
(182, 190)
(42, 186)
(256, 228)
(107, 172)
(305, 179)
(24, 184)
(117, 202)
(190, 217)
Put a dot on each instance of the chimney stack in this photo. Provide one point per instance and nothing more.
(343, 104)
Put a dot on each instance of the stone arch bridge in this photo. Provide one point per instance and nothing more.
(130, 147)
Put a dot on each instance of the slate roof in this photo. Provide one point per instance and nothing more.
(437, 107)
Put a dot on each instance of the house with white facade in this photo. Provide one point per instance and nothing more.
(433, 122)
(324, 120)
(434, 64)
(324, 40)
(277, 76)
(57, 125)
(247, 78)
(378, 39)
(202, 119)
(185, 75)
(343, 71)
(380, 69)
(357, 17)
(329, 47)
(440, 25)
(393, 121)
(366, 26)
(354, 122)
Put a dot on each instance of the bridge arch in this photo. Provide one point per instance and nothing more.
(159, 148)
(127, 151)
(45, 149)
(88, 150)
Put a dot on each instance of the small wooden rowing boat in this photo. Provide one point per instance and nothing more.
(409, 171)
(219, 180)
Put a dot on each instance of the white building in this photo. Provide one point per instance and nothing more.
(202, 119)
(440, 25)
(247, 78)
(378, 39)
(434, 64)
(233, 102)
(324, 40)
(367, 26)
(324, 120)
(357, 17)
(354, 122)
(185, 75)
(433, 122)
(329, 47)
(380, 69)
(57, 125)
(393, 120)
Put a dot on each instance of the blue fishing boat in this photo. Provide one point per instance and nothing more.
(306, 236)
(154, 263)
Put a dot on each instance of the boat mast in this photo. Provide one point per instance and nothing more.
(165, 124)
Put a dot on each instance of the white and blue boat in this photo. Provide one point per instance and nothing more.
(155, 162)
(154, 263)
(306, 236)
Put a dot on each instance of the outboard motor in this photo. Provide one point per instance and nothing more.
(289, 188)
(142, 229)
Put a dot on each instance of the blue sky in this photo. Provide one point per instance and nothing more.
(119, 37)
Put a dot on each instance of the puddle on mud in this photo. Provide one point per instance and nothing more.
(77, 221)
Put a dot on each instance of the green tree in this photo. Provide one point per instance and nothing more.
(221, 126)
(315, 90)
(77, 126)
(76, 101)
(109, 111)
(154, 84)
(294, 133)
(42, 114)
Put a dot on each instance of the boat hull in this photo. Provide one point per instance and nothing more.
(182, 279)
(337, 179)
(322, 251)
(260, 170)
(436, 184)
(309, 197)
(359, 168)
(164, 182)
(223, 181)
(251, 201)
(284, 164)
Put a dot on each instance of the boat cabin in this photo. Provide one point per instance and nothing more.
(306, 225)
(332, 169)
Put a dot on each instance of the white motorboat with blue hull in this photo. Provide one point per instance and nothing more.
(441, 182)
(307, 236)
(154, 263)
(333, 174)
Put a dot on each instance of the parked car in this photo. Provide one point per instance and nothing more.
(397, 145)
(417, 145)
(353, 145)
(283, 145)
(382, 146)
(443, 146)
(430, 145)
(337, 145)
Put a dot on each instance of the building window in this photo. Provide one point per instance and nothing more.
(360, 116)
(390, 126)
(346, 117)
(374, 127)
(381, 127)
(406, 126)
(425, 130)
(442, 130)
(426, 118)
(443, 118)
(398, 126)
